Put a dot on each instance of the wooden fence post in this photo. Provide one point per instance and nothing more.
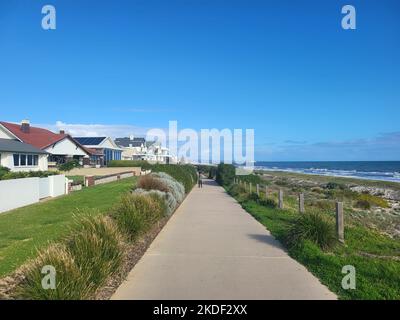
(301, 202)
(258, 189)
(339, 221)
(280, 199)
(249, 187)
(266, 191)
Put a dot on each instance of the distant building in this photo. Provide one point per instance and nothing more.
(103, 149)
(136, 148)
(60, 147)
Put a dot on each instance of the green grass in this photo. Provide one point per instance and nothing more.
(372, 254)
(24, 230)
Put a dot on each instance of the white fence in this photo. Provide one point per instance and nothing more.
(17, 193)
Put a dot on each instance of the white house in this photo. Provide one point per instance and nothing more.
(61, 147)
(19, 156)
(135, 148)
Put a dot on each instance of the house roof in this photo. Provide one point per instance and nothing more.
(90, 141)
(10, 145)
(128, 142)
(38, 137)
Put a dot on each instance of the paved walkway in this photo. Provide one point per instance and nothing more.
(212, 249)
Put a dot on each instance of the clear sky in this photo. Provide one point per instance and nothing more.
(311, 90)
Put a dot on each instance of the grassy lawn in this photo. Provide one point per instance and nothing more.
(375, 256)
(24, 230)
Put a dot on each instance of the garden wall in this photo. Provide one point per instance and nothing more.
(16, 193)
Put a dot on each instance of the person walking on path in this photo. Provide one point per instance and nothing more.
(200, 182)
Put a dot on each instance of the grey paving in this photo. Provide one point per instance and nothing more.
(212, 249)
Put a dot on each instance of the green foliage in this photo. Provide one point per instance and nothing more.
(314, 227)
(70, 283)
(183, 173)
(28, 174)
(95, 244)
(362, 204)
(335, 185)
(135, 213)
(3, 171)
(225, 174)
(375, 201)
(83, 261)
(130, 163)
(268, 202)
(251, 178)
(253, 196)
(68, 166)
(236, 189)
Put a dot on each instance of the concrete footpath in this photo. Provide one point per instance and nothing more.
(212, 249)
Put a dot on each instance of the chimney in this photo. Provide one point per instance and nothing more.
(62, 132)
(131, 137)
(25, 126)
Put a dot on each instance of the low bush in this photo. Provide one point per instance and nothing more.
(151, 182)
(68, 166)
(96, 246)
(135, 213)
(268, 202)
(3, 171)
(173, 186)
(324, 205)
(335, 185)
(254, 179)
(312, 226)
(362, 204)
(185, 174)
(28, 174)
(130, 163)
(372, 200)
(236, 189)
(70, 283)
(168, 198)
(253, 197)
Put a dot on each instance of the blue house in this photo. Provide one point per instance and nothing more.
(103, 149)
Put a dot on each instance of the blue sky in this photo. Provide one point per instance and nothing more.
(311, 90)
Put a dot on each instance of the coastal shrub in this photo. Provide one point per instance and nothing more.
(335, 185)
(95, 244)
(312, 226)
(324, 205)
(168, 197)
(253, 196)
(28, 174)
(225, 174)
(172, 186)
(373, 200)
(185, 174)
(130, 163)
(251, 178)
(135, 213)
(3, 171)
(71, 283)
(236, 189)
(268, 202)
(68, 166)
(151, 182)
(362, 204)
(282, 182)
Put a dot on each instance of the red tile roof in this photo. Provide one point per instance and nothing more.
(38, 137)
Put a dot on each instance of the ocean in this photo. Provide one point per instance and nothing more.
(372, 170)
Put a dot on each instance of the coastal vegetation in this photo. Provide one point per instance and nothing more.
(87, 246)
(372, 242)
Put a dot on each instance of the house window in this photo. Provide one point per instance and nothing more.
(25, 160)
(22, 160)
(16, 160)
